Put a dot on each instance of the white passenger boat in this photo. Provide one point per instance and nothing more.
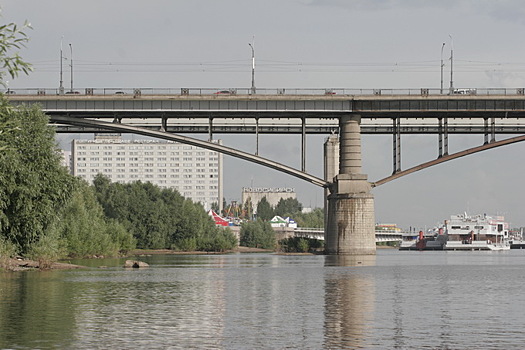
(462, 232)
(476, 232)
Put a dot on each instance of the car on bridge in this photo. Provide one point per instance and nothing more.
(464, 91)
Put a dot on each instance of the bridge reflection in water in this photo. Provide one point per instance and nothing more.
(350, 298)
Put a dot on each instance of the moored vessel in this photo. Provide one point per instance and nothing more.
(463, 232)
(477, 232)
(434, 239)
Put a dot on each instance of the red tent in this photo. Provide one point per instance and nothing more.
(218, 220)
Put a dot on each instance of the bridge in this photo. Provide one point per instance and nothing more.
(381, 236)
(345, 113)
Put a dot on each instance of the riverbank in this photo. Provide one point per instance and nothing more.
(19, 264)
(170, 252)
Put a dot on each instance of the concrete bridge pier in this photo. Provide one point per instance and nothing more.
(350, 229)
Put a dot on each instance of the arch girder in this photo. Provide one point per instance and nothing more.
(448, 157)
(118, 127)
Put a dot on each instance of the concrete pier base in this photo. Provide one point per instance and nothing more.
(351, 220)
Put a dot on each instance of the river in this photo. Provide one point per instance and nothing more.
(394, 300)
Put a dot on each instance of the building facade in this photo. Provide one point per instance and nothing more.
(194, 172)
(273, 195)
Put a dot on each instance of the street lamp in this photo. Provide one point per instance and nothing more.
(71, 49)
(61, 87)
(442, 65)
(451, 64)
(253, 68)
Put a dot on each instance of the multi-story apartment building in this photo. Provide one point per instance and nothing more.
(194, 172)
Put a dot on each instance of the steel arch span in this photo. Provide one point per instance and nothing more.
(117, 127)
(449, 157)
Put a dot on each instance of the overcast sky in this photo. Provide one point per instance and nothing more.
(305, 44)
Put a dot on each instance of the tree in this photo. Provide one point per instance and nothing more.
(257, 234)
(12, 38)
(161, 218)
(314, 219)
(34, 183)
(85, 231)
(288, 207)
(264, 210)
(247, 211)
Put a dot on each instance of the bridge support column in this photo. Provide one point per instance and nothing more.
(351, 221)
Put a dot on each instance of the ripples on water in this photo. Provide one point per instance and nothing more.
(395, 300)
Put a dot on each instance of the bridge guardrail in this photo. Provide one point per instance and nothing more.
(266, 91)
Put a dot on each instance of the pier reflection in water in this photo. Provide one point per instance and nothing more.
(403, 300)
(349, 301)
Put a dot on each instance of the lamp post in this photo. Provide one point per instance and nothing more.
(61, 87)
(71, 60)
(451, 65)
(442, 65)
(253, 69)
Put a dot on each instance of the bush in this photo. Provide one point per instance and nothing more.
(7, 252)
(220, 240)
(257, 234)
(84, 231)
(301, 245)
(46, 250)
(185, 244)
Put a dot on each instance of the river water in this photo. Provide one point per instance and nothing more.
(394, 300)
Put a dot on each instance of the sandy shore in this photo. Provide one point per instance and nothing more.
(20, 264)
(24, 265)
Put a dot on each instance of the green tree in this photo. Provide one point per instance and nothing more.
(257, 234)
(264, 210)
(34, 183)
(12, 39)
(314, 219)
(85, 231)
(301, 245)
(247, 211)
(288, 207)
(161, 218)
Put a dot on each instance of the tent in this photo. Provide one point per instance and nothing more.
(218, 220)
(278, 221)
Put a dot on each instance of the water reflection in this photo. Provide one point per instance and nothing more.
(151, 308)
(35, 311)
(397, 306)
(266, 301)
(349, 301)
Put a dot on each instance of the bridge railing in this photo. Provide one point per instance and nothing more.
(115, 91)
